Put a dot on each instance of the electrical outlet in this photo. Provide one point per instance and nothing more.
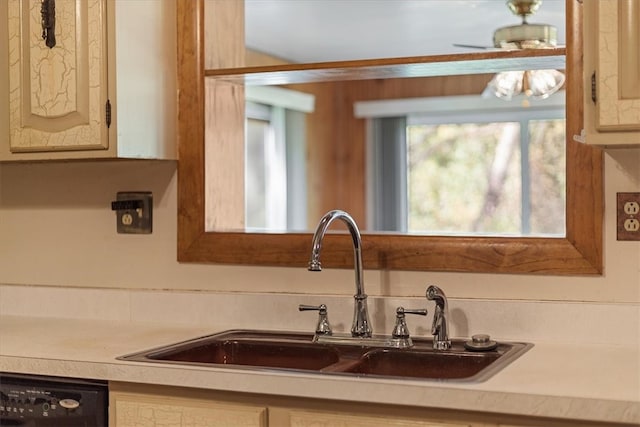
(628, 216)
(134, 212)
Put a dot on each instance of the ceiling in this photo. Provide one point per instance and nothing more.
(335, 30)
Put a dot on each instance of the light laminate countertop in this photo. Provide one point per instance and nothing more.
(574, 381)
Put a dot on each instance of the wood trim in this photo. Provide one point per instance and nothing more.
(480, 60)
(585, 189)
(190, 51)
(418, 66)
(580, 253)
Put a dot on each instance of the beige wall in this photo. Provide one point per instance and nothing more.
(56, 228)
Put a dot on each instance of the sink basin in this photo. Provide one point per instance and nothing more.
(291, 351)
(423, 364)
(253, 353)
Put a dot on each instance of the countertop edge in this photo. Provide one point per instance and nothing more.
(566, 381)
(432, 395)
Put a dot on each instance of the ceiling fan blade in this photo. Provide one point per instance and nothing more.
(471, 46)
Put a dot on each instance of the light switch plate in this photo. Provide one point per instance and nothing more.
(135, 220)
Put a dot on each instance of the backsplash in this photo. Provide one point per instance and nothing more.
(57, 229)
(588, 323)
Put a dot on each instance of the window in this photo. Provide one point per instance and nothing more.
(275, 173)
(265, 190)
(485, 169)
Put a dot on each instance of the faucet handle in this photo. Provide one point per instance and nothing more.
(401, 331)
(323, 327)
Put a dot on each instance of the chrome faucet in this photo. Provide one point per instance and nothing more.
(440, 325)
(361, 324)
(323, 327)
(400, 336)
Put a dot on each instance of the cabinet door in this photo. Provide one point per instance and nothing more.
(612, 64)
(133, 410)
(57, 93)
(317, 419)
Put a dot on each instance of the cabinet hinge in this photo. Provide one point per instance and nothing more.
(107, 117)
(594, 98)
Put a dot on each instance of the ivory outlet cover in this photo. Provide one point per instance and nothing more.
(628, 216)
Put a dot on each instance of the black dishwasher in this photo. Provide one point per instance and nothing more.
(38, 401)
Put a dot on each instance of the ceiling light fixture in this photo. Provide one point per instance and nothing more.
(525, 35)
(537, 84)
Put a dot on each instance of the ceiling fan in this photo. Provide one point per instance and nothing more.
(535, 84)
(524, 35)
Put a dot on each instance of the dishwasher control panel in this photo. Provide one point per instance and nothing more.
(17, 400)
(33, 400)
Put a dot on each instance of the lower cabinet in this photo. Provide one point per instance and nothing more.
(136, 409)
(296, 418)
(136, 405)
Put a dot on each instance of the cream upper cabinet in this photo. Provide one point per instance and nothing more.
(612, 72)
(56, 97)
(98, 82)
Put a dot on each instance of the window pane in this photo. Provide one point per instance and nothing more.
(548, 186)
(464, 178)
(255, 189)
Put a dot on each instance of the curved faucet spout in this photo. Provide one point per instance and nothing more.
(440, 325)
(316, 244)
(361, 323)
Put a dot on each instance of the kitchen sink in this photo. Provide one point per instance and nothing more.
(298, 352)
(423, 364)
(253, 353)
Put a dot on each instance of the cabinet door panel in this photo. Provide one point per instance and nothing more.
(133, 410)
(57, 95)
(618, 76)
(314, 419)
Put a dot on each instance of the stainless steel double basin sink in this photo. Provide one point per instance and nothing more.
(297, 352)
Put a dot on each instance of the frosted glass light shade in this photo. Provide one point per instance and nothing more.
(543, 83)
(537, 84)
(506, 84)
